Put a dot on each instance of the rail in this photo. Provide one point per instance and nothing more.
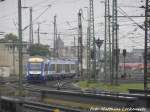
(11, 104)
(107, 99)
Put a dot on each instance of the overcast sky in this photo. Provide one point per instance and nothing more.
(130, 36)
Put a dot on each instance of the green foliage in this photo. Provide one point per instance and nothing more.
(40, 50)
(9, 37)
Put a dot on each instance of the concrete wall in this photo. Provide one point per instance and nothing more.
(4, 71)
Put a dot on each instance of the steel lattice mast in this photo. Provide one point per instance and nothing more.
(147, 46)
(80, 45)
(114, 42)
(88, 48)
(107, 41)
(92, 40)
(88, 53)
(31, 28)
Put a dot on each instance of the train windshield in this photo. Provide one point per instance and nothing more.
(35, 66)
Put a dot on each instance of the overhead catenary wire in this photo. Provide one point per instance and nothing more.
(124, 13)
(37, 18)
(43, 4)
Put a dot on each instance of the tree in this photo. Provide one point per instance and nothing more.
(9, 37)
(41, 50)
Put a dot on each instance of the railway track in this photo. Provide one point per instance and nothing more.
(86, 98)
(83, 99)
(66, 84)
(97, 99)
(9, 104)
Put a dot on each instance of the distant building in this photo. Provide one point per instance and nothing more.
(135, 56)
(71, 52)
(9, 59)
(59, 43)
(138, 52)
(68, 51)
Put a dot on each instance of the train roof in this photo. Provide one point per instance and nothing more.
(61, 61)
(35, 60)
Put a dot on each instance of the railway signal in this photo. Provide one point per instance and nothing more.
(99, 43)
(124, 56)
(124, 52)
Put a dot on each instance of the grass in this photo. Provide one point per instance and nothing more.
(109, 87)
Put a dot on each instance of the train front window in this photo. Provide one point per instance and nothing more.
(35, 66)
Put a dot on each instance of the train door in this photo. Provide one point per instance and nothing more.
(63, 69)
(53, 68)
(72, 68)
(59, 68)
(46, 69)
(67, 70)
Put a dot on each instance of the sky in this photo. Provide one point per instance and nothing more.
(130, 35)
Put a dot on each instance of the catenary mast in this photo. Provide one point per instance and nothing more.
(147, 46)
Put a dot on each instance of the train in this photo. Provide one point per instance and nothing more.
(41, 70)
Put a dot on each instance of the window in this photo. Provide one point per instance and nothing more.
(46, 67)
(35, 66)
(72, 67)
(59, 68)
(67, 68)
(52, 67)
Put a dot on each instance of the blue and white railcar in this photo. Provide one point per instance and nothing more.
(59, 68)
(40, 70)
(35, 69)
